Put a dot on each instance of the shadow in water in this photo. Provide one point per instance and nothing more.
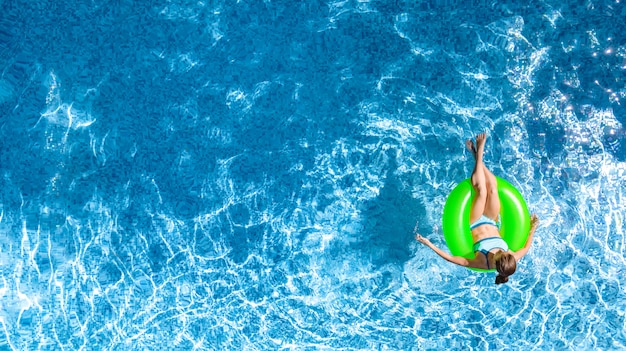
(389, 222)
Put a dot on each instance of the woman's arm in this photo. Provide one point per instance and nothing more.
(461, 261)
(534, 222)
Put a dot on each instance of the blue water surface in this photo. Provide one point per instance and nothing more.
(246, 175)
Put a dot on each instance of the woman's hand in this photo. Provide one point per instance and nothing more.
(534, 221)
(422, 240)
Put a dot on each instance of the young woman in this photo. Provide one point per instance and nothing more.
(489, 248)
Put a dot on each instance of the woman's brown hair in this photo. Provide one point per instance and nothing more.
(505, 265)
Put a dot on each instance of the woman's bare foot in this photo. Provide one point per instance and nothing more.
(471, 147)
(480, 144)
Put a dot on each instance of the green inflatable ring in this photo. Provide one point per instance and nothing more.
(514, 217)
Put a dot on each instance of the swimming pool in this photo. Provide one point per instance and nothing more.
(246, 175)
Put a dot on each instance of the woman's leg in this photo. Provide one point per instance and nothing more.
(492, 205)
(479, 180)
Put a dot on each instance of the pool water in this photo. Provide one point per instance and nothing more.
(246, 175)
